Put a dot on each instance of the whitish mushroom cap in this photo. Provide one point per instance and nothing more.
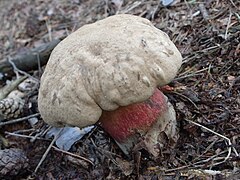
(114, 62)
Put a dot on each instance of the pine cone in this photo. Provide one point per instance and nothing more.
(11, 108)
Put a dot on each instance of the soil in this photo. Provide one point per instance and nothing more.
(206, 91)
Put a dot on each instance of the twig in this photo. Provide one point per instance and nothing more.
(104, 150)
(188, 71)
(206, 150)
(40, 134)
(196, 164)
(214, 158)
(47, 151)
(187, 59)
(175, 169)
(224, 137)
(188, 75)
(233, 4)
(24, 136)
(91, 132)
(208, 49)
(49, 28)
(106, 153)
(18, 120)
(199, 53)
(39, 66)
(156, 10)
(196, 73)
(16, 70)
(134, 5)
(73, 155)
(204, 12)
(106, 8)
(10, 87)
(227, 66)
(174, 92)
(24, 130)
(228, 25)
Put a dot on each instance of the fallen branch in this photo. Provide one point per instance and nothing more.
(24, 136)
(73, 155)
(47, 151)
(10, 87)
(29, 61)
(18, 120)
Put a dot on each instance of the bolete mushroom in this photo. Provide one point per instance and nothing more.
(110, 71)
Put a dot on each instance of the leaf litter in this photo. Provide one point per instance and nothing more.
(205, 92)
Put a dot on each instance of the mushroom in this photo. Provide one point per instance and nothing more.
(110, 71)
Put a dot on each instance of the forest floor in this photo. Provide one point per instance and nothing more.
(206, 92)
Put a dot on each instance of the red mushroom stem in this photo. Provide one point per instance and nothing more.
(125, 123)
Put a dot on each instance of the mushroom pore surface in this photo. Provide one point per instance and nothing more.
(114, 62)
